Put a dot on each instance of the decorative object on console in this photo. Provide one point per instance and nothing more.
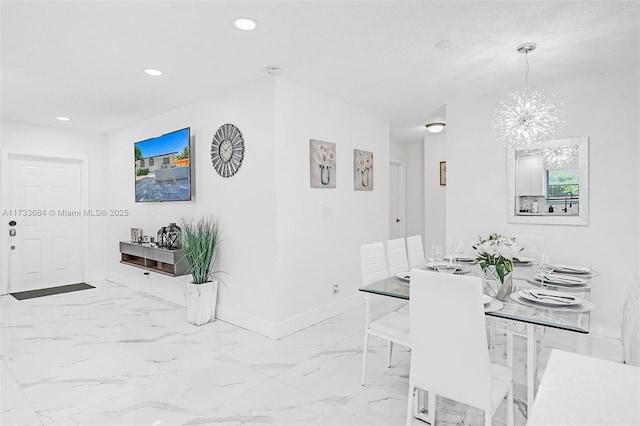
(161, 239)
(163, 168)
(227, 150)
(199, 241)
(136, 235)
(362, 170)
(172, 237)
(495, 256)
(322, 162)
(530, 116)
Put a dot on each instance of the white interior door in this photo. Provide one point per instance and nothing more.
(45, 201)
(397, 200)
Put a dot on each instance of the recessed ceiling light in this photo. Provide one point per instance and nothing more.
(444, 44)
(246, 24)
(61, 118)
(152, 72)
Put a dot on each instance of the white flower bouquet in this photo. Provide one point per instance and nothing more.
(499, 251)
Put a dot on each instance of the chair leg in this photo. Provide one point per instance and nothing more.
(487, 417)
(410, 399)
(431, 403)
(510, 406)
(389, 350)
(365, 348)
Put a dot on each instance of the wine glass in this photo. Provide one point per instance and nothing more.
(434, 254)
(540, 262)
(458, 248)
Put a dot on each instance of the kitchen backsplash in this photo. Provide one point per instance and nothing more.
(526, 204)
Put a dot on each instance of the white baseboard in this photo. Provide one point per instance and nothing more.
(307, 319)
(171, 290)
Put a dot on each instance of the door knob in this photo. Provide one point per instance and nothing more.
(397, 220)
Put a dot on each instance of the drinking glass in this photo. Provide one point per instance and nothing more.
(435, 253)
(458, 248)
(540, 262)
(448, 266)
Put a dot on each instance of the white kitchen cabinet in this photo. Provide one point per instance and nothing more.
(530, 176)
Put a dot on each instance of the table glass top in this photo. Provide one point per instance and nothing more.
(512, 310)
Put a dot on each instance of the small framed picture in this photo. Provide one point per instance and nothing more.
(443, 173)
(136, 234)
(145, 239)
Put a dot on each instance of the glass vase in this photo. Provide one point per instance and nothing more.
(500, 289)
(324, 175)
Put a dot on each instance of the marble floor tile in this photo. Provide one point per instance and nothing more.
(116, 356)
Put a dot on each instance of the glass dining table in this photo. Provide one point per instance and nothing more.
(524, 313)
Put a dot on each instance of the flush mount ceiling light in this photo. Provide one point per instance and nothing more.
(435, 127)
(150, 71)
(528, 117)
(61, 118)
(246, 24)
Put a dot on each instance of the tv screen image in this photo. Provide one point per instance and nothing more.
(162, 167)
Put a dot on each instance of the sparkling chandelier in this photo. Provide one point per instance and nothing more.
(559, 157)
(528, 117)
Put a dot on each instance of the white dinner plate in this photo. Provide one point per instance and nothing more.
(571, 269)
(404, 276)
(486, 299)
(562, 279)
(548, 297)
(460, 270)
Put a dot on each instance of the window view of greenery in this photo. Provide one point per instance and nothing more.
(560, 182)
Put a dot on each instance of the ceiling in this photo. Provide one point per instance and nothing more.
(86, 59)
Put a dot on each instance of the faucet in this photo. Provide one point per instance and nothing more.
(570, 200)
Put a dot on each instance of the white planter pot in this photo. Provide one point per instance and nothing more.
(201, 301)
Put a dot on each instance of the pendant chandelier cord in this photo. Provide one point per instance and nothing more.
(526, 74)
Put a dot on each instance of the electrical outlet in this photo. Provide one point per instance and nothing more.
(336, 289)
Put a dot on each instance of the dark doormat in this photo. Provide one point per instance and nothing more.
(22, 295)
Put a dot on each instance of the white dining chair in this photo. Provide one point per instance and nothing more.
(415, 252)
(382, 317)
(396, 254)
(597, 344)
(449, 355)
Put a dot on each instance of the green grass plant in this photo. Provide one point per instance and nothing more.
(199, 242)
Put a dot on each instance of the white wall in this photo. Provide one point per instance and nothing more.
(315, 252)
(605, 108)
(245, 203)
(435, 199)
(56, 142)
(281, 254)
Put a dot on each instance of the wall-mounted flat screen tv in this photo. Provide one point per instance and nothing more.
(162, 167)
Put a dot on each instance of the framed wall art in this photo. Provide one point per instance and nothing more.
(443, 173)
(362, 170)
(322, 164)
